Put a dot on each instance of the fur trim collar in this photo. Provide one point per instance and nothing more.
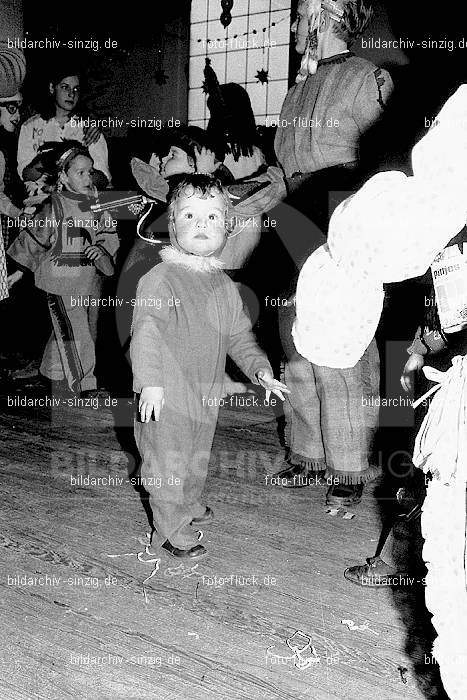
(193, 262)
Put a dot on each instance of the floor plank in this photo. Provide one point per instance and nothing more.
(205, 630)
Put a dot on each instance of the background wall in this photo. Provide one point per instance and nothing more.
(253, 50)
(11, 19)
(258, 39)
(144, 74)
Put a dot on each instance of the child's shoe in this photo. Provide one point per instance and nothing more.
(344, 494)
(205, 519)
(94, 394)
(192, 553)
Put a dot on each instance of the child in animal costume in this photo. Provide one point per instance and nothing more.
(190, 150)
(188, 316)
(69, 250)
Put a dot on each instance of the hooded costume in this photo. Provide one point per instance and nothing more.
(188, 316)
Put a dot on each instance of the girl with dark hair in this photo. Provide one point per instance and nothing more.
(60, 120)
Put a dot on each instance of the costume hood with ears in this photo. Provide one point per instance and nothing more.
(12, 71)
(351, 16)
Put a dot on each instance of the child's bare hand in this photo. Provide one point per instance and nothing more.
(413, 364)
(205, 161)
(13, 278)
(151, 402)
(93, 252)
(272, 385)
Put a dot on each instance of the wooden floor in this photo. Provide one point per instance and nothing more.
(88, 630)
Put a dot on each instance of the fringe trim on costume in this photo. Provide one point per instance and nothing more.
(192, 262)
(355, 477)
(312, 465)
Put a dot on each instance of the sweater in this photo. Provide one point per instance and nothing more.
(53, 244)
(324, 117)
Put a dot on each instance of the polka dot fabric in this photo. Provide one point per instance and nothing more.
(389, 231)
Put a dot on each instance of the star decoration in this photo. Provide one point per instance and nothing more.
(160, 76)
(262, 76)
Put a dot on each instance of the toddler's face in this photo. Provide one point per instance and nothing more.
(200, 223)
(176, 162)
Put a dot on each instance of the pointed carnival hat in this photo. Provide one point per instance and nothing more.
(12, 70)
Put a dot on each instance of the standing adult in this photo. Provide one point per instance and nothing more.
(336, 99)
(60, 119)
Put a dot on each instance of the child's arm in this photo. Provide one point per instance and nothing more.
(147, 341)
(245, 352)
(413, 364)
(101, 259)
(14, 278)
(35, 241)
(274, 386)
(103, 252)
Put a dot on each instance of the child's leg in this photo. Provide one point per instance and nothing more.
(51, 365)
(74, 340)
(198, 469)
(303, 415)
(348, 418)
(93, 319)
(165, 448)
